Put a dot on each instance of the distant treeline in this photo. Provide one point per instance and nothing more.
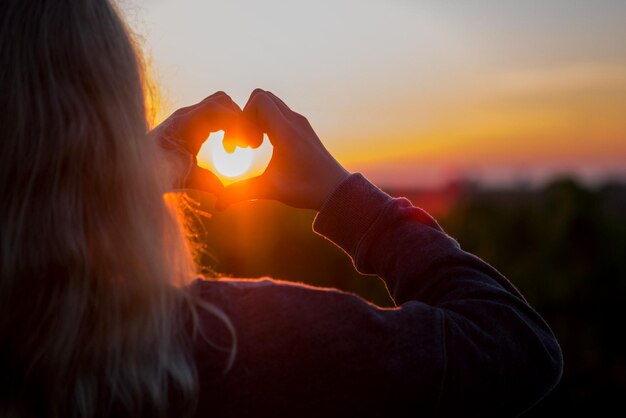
(563, 246)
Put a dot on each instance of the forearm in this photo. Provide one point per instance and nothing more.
(402, 244)
(495, 343)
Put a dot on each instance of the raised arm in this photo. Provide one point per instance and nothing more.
(499, 356)
(462, 341)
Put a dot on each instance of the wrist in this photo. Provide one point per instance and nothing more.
(332, 181)
(349, 212)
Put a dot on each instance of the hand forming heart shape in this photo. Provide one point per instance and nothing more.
(299, 172)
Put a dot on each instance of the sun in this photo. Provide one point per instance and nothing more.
(232, 165)
(213, 156)
(242, 164)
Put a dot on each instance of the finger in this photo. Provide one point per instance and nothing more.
(202, 179)
(183, 110)
(281, 105)
(255, 92)
(287, 111)
(244, 135)
(249, 134)
(216, 105)
(241, 191)
(210, 118)
(240, 133)
(229, 143)
(225, 100)
(263, 111)
(218, 97)
(214, 96)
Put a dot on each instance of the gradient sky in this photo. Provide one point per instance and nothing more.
(414, 92)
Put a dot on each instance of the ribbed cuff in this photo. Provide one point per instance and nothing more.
(350, 211)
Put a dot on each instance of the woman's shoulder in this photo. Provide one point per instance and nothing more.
(227, 287)
(204, 284)
(268, 300)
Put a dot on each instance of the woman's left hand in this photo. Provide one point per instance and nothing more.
(183, 133)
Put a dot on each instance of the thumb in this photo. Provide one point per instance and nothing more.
(254, 188)
(202, 179)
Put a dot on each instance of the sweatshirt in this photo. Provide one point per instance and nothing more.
(461, 341)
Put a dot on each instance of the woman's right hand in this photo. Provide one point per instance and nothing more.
(183, 133)
(302, 173)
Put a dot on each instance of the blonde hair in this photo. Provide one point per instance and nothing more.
(92, 257)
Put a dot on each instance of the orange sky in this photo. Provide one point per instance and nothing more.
(415, 93)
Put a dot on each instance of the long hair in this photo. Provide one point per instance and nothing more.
(92, 257)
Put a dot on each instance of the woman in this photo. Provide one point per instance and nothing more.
(100, 314)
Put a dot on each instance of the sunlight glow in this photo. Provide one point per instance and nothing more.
(507, 85)
(228, 165)
(241, 164)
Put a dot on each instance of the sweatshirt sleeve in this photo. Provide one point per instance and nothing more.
(498, 355)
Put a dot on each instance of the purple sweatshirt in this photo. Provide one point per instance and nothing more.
(461, 341)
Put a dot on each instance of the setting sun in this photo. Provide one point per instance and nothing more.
(435, 97)
(242, 163)
(235, 164)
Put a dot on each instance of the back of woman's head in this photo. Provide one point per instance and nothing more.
(89, 251)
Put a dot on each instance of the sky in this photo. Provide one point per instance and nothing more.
(414, 92)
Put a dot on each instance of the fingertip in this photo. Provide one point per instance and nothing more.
(254, 136)
(257, 91)
(219, 96)
(263, 112)
(219, 93)
(241, 137)
(229, 146)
